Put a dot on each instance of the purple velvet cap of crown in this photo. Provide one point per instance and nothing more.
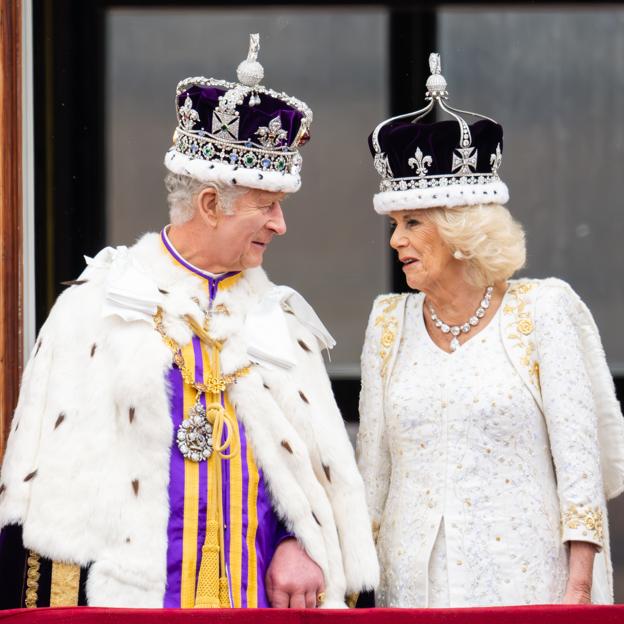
(206, 99)
(399, 140)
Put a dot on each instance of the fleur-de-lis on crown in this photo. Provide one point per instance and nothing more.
(382, 165)
(496, 159)
(273, 135)
(420, 162)
(188, 115)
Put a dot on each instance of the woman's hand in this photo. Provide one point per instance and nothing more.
(581, 567)
(577, 595)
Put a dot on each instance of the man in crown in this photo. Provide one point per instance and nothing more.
(176, 441)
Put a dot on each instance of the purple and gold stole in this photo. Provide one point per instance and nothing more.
(251, 529)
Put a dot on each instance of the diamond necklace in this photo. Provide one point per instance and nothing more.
(473, 321)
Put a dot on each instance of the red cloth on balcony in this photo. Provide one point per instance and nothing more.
(558, 614)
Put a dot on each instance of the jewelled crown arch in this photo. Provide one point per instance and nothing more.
(436, 93)
(244, 127)
(427, 158)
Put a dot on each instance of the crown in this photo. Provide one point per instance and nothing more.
(444, 163)
(239, 133)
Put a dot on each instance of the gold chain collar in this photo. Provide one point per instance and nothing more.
(213, 384)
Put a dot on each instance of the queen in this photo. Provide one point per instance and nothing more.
(490, 434)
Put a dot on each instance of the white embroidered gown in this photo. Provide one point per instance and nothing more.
(472, 515)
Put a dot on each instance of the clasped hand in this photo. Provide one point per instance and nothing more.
(293, 580)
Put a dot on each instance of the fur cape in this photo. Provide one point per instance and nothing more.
(87, 463)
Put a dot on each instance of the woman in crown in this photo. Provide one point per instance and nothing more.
(490, 434)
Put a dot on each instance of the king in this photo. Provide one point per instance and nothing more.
(176, 442)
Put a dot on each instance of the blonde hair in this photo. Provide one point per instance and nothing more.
(484, 236)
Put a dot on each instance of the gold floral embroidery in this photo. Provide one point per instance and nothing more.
(525, 326)
(32, 580)
(590, 518)
(522, 326)
(389, 326)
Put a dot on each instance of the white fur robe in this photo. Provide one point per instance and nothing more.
(86, 469)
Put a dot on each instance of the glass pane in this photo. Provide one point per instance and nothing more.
(335, 252)
(555, 80)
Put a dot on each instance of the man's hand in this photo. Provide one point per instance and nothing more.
(293, 579)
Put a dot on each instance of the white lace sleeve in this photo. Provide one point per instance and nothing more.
(372, 448)
(571, 417)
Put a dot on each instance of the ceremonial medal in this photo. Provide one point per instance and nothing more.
(195, 435)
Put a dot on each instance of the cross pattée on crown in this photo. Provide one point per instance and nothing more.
(467, 158)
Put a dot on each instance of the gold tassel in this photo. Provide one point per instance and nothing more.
(213, 589)
(224, 593)
(32, 579)
(208, 586)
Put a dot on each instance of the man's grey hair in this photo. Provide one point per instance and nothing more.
(182, 191)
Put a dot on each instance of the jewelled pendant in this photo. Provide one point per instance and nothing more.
(194, 436)
(455, 344)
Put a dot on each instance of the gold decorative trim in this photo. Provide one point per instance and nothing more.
(32, 579)
(522, 327)
(590, 518)
(375, 529)
(389, 325)
(351, 600)
(64, 585)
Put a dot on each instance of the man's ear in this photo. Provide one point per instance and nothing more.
(207, 206)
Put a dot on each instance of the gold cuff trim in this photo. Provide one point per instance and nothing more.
(64, 585)
(589, 518)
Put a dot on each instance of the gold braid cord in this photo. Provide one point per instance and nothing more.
(32, 579)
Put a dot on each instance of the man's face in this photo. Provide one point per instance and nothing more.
(244, 235)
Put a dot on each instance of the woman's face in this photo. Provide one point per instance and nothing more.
(425, 256)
